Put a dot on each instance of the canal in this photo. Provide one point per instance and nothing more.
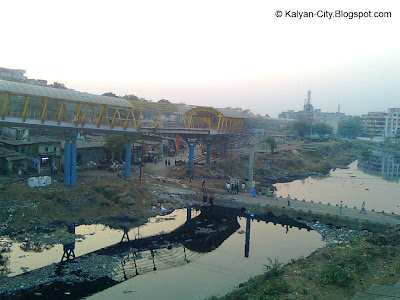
(352, 185)
(184, 270)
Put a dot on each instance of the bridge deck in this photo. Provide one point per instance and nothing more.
(329, 214)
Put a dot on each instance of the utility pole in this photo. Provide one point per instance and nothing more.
(141, 161)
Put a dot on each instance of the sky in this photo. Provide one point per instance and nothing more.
(216, 53)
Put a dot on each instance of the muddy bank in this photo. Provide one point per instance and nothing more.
(41, 215)
(103, 268)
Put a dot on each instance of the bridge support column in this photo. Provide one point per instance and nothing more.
(208, 154)
(73, 160)
(192, 144)
(128, 153)
(70, 159)
(67, 161)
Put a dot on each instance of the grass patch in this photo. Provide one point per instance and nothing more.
(335, 275)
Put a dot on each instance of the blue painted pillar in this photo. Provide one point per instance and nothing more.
(128, 153)
(192, 144)
(208, 155)
(191, 156)
(67, 161)
(73, 160)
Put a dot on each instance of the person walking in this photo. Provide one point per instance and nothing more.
(169, 162)
(340, 207)
(254, 191)
(203, 182)
(362, 208)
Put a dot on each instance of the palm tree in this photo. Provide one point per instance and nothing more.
(272, 143)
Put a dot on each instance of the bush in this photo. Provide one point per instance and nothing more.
(334, 275)
(273, 269)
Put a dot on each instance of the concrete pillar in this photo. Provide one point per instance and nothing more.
(247, 244)
(192, 144)
(208, 155)
(73, 161)
(128, 152)
(67, 161)
(70, 159)
(191, 156)
(251, 167)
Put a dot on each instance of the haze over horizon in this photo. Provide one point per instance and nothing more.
(216, 53)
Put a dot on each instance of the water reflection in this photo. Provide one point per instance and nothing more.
(69, 248)
(126, 260)
(218, 271)
(382, 163)
(351, 185)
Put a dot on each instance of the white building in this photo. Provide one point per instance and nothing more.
(382, 124)
(392, 123)
(12, 74)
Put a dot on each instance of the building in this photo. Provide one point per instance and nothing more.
(313, 116)
(13, 75)
(373, 124)
(88, 152)
(392, 123)
(18, 75)
(42, 154)
(381, 124)
(12, 161)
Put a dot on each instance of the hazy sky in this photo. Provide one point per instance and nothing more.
(219, 53)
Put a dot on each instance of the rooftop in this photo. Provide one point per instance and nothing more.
(61, 94)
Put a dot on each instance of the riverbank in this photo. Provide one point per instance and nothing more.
(337, 272)
(39, 216)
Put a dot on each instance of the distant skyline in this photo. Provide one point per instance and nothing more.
(214, 53)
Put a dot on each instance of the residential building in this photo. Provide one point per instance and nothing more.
(12, 161)
(12, 75)
(43, 154)
(19, 76)
(392, 123)
(373, 124)
(382, 124)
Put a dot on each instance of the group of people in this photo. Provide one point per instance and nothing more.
(232, 188)
(361, 211)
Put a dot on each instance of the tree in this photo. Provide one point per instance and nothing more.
(115, 143)
(301, 127)
(366, 155)
(110, 94)
(350, 128)
(322, 129)
(58, 85)
(272, 143)
(130, 97)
